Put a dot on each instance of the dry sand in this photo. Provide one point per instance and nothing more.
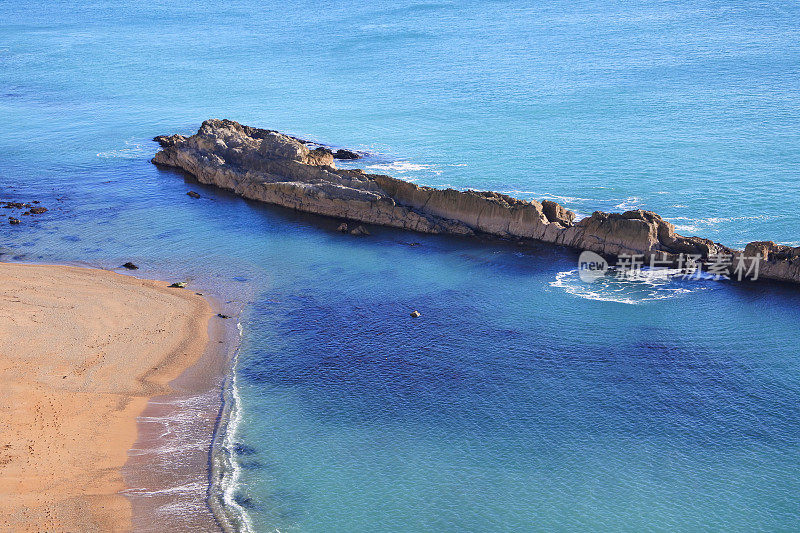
(81, 351)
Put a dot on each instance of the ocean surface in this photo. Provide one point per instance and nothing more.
(521, 399)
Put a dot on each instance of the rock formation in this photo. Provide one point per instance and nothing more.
(279, 169)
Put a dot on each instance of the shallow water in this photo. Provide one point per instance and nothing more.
(521, 399)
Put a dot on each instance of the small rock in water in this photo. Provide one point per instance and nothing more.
(222, 316)
(345, 154)
(12, 220)
(178, 285)
(130, 266)
(38, 210)
(359, 230)
(415, 314)
(193, 194)
(342, 227)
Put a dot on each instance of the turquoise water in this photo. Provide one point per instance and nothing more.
(521, 399)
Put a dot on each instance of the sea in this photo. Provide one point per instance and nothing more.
(522, 399)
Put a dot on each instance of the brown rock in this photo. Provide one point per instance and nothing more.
(280, 169)
(359, 231)
(346, 154)
(556, 213)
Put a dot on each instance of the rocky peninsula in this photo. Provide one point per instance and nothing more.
(275, 168)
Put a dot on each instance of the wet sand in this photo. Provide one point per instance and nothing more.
(82, 351)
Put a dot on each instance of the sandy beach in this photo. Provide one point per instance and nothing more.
(81, 353)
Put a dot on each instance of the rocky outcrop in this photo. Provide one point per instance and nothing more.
(777, 261)
(346, 154)
(280, 169)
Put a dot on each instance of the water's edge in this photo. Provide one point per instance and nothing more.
(223, 471)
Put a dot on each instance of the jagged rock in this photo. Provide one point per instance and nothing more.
(320, 156)
(345, 154)
(38, 210)
(556, 213)
(279, 146)
(342, 227)
(280, 169)
(130, 266)
(415, 314)
(13, 221)
(359, 231)
(778, 261)
(168, 140)
(178, 285)
(193, 194)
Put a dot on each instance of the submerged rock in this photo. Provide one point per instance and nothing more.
(280, 169)
(415, 314)
(38, 210)
(130, 266)
(342, 227)
(178, 285)
(358, 231)
(13, 221)
(193, 194)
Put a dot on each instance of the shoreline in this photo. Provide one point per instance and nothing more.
(223, 470)
(179, 493)
(179, 379)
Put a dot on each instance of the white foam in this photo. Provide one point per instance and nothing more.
(133, 150)
(399, 166)
(699, 225)
(197, 487)
(656, 284)
(555, 198)
(632, 202)
(231, 479)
